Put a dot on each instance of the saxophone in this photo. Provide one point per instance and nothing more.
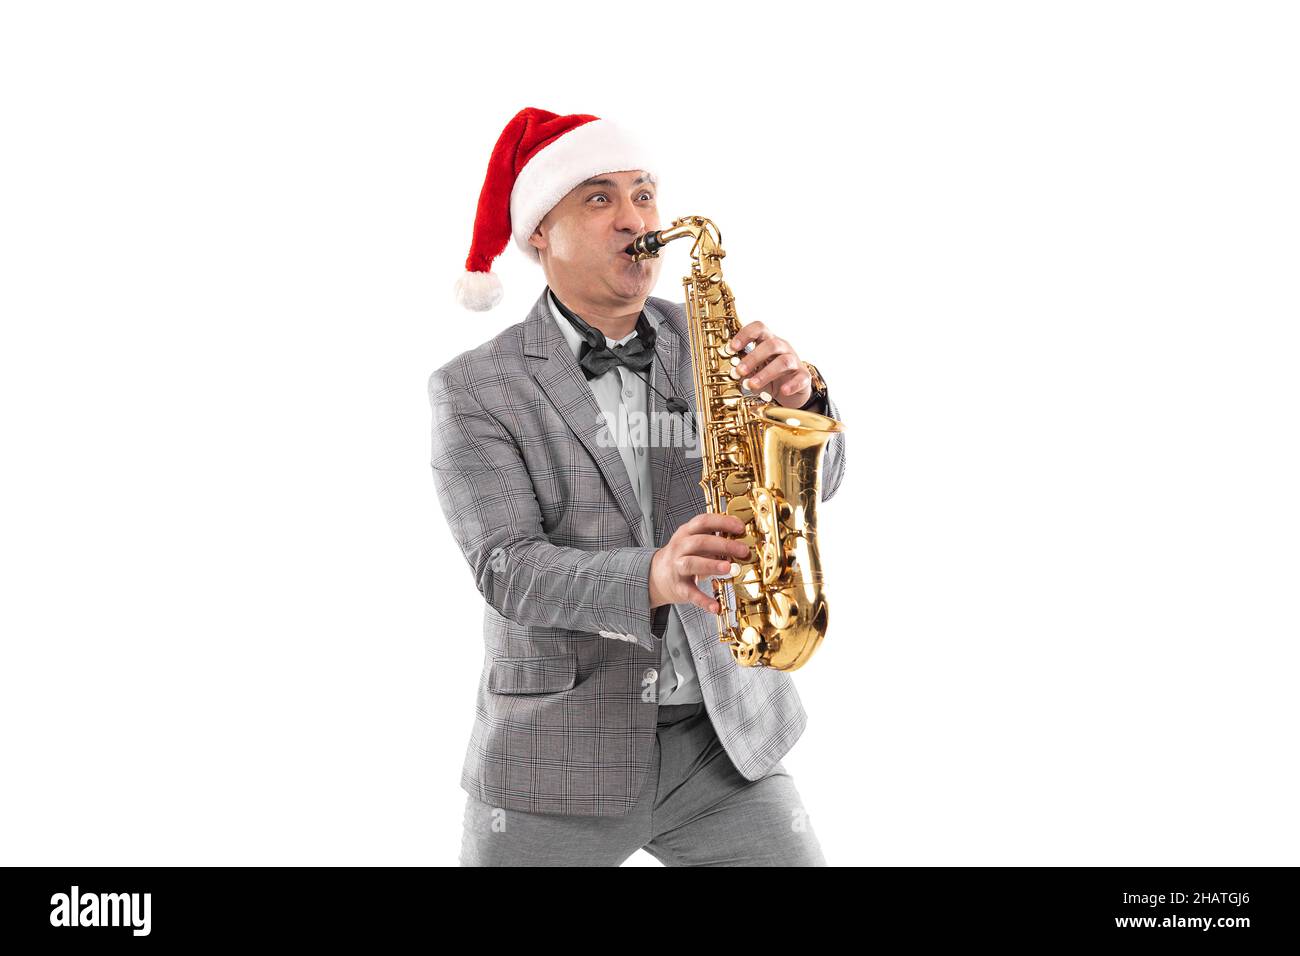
(761, 464)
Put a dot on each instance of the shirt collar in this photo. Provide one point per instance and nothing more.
(571, 334)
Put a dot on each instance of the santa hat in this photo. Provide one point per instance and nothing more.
(538, 158)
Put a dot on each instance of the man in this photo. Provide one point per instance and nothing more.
(609, 716)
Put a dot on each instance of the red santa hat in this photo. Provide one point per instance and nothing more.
(538, 158)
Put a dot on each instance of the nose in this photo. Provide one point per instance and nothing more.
(629, 220)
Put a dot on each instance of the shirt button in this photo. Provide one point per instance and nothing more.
(676, 653)
(651, 675)
(627, 393)
(640, 451)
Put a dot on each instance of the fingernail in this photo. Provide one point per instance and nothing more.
(735, 569)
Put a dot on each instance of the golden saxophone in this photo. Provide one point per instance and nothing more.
(761, 464)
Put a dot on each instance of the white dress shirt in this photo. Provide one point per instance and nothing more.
(617, 392)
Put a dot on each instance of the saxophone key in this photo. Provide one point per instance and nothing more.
(741, 507)
(735, 483)
(771, 567)
(785, 513)
(783, 609)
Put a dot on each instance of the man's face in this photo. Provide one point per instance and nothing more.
(581, 240)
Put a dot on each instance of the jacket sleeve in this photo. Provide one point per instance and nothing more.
(487, 496)
(833, 455)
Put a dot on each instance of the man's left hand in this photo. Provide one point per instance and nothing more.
(772, 366)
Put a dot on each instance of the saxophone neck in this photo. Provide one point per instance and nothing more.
(708, 240)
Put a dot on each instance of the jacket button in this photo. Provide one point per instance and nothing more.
(651, 675)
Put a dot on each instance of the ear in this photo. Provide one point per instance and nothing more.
(537, 240)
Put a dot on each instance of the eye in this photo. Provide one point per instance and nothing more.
(649, 194)
(597, 196)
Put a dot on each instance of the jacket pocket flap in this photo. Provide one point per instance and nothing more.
(532, 675)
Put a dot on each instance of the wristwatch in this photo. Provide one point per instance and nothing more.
(818, 395)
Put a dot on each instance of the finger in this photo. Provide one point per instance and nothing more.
(700, 567)
(713, 523)
(797, 382)
(697, 597)
(760, 355)
(693, 566)
(780, 366)
(714, 546)
(711, 546)
(753, 332)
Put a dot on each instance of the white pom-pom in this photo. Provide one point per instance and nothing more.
(479, 291)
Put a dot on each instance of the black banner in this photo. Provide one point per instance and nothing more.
(1228, 907)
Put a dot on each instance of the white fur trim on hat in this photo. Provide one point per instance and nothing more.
(600, 146)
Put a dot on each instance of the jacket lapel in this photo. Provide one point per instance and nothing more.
(558, 374)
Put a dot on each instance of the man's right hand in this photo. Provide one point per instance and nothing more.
(695, 551)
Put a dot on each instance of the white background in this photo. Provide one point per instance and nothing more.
(1045, 255)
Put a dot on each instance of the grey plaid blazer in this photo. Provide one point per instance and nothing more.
(550, 526)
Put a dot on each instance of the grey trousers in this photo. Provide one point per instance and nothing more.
(695, 809)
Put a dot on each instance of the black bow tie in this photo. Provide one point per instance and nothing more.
(596, 357)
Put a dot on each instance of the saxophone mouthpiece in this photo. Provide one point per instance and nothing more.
(645, 247)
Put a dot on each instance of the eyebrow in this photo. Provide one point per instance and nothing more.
(613, 185)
